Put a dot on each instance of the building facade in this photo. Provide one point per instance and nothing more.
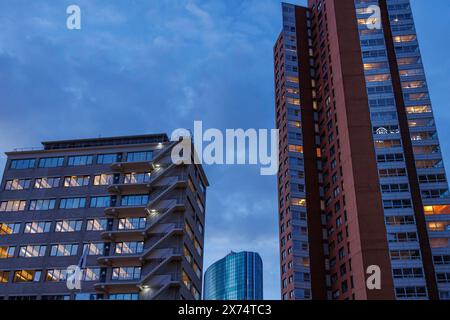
(361, 180)
(120, 203)
(238, 276)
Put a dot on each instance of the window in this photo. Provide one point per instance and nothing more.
(100, 202)
(97, 225)
(411, 292)
(402, 237)
(443, 277)
(295, 149)
(32, 251)
(397, 204)
(103, 180)
(407, 273)
(135, 178)
(400, 220)
(124, 296)
(139, 156)
(27, 276)
(107, 158)
(91, 274)
(42, 204)
(198, 247)
(129, 247)
(432, 210)
(73, 182)
(64, 250)
(37, 227)
(17, 184)
(72, 203)
(442, 260)
(56, 275)
(12, 206)
(132, 223)
(298, 202)
(79, 161)
(9, 228)
(378, 78)
(51, 162)
(126, 273)
(131, 201)
(7, 252)
(4, 277)
(46, 183)
(23, 164)
(68, 226)
(405, 255)
(94, 249)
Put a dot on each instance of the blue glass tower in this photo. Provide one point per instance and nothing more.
(238, 276)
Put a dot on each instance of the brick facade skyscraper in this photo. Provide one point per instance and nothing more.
(361, 178)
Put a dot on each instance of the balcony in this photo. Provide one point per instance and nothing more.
(154, 217)
(116, 286)
(127, 212)
(120, 260)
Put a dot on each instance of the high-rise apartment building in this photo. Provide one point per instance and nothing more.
(120, 203)
(361, 180)
(238, 276)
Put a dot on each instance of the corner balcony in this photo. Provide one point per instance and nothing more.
(127, 212)
(120, 260)
(117, 286)
(154, 217)
(149, 165)
(144, 186)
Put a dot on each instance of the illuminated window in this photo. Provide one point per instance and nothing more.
(378, 78)
(73, 182)
(418, 109)
(292, 79)
(4, 276)
(406, 38)
(97, 225)
(384, 144)
(298, 202)
(126, 273)
(295, 124)
(103, 180)
(136, 178)
(132, 223)
(413, 84)
(56, 275)
(123, 248)
(439, 226)
(17, 184)
(437, 210)
(296, 149)
(9, 228)
(7, 252)
(27, 276)
(46, 183)
(293, 101)
(375, 66)
(12, 206)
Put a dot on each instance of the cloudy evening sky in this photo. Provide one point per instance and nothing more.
(150, 66)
